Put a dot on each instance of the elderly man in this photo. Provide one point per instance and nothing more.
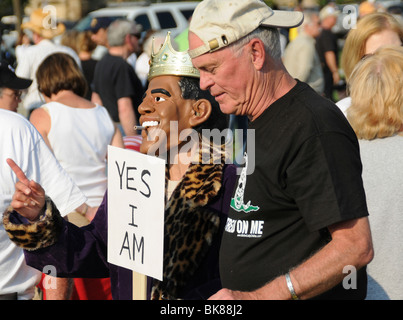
(298, 223)
(300, 57)
(11, 88)
(116, 85)
(22, 142)
(327, 48)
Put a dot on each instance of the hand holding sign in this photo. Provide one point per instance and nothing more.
(29, 197)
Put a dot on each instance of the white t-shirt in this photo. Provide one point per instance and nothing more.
(86, 134)
(21, 142)
(28, 64)
(344, 104)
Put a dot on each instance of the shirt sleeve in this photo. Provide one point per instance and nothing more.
(325, 180)
(78, 252)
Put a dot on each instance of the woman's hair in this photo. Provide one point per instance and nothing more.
(85, 43)
(354, 47)
(376, 92)
(58, 72)
(191, 90)
(69, 39)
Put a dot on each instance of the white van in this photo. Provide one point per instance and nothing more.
(173, 16)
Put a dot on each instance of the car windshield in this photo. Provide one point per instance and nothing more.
(85, 23)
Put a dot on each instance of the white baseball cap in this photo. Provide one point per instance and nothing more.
(219, 23)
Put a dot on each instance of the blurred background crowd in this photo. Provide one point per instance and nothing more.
(85, 22)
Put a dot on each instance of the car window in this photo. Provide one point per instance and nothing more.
(144, 21)
(85, 23)
(166, 20)
(187, 13)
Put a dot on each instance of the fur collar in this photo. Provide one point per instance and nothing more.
(190, 225)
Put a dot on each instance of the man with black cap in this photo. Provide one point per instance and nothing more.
(98, 28)
(10, 87)
(116, 85)
(22, 143)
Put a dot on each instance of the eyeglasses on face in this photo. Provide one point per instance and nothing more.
(16, 94)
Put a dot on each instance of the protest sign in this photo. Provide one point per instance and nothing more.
(136, 188)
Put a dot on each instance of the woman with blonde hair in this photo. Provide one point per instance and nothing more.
(372, 32)
(376, 115)
(376, 90)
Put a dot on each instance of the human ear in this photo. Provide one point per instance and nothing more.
(258, 53)
(201, 112)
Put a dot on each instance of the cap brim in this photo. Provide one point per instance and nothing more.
(18, 83)
(284, 19)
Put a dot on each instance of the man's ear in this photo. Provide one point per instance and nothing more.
(201, 112)
(127, 38)
(258, 53)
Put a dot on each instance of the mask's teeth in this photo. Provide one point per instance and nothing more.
(150, 123)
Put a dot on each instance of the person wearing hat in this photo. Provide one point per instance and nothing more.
(43, 33)
(297, 226)
(327, 48)
(116, 85)
(197, 193)
(11, 87)
(98, 29)
(300, 57)
(22, 143)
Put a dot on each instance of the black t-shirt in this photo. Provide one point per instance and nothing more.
(114, 78)
(305, 174)
(88, 67)
(326, 41)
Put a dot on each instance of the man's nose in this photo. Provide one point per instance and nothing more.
(205, 81)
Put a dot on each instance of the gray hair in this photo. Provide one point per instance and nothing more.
(118, 30)
(270, 38)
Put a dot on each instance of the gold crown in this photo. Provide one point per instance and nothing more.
(168, 61)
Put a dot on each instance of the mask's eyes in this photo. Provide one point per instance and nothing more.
(159, 99)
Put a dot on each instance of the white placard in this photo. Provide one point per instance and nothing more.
(136, 188)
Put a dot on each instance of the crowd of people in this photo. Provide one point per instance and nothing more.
(318, 189)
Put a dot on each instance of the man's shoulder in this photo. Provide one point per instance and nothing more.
(15, 125)
(11, 118)
(306, 104)
(109, 63)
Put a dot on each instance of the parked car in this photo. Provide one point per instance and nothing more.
(173, 16)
